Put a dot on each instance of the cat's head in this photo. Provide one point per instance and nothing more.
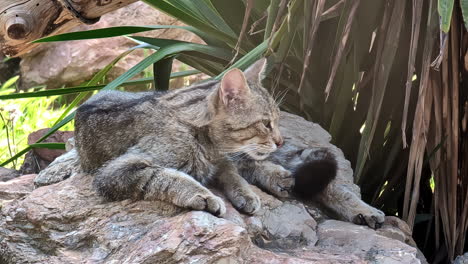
(246, 119)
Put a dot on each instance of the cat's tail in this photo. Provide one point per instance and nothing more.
(314, 175)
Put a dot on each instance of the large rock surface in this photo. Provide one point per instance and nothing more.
(73, 62)
(67, 222)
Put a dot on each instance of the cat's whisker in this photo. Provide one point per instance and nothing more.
(241, 152)
(280, 102)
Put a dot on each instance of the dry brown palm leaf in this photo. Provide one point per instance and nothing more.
(420, 130)
(415, 29)
(341, 47)
(314, 23)
(245, 22)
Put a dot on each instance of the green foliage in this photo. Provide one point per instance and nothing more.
(445, 8)
(21, 117)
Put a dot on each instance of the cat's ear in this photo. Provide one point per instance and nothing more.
(256, 72)
(234, 88)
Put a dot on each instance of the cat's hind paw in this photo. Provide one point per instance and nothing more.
(373, 219)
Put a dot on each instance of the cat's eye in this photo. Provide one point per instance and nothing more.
(267, 124)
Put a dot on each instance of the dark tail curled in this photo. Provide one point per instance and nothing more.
(314, 175)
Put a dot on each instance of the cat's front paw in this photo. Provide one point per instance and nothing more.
(282, 182)
(246, 201)
(209, 203)
(373, 218)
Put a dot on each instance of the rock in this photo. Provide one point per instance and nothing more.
(365, 243)
(289, 221)
(463, 259)
(39, 158)
(17, 187)
(398, 229)
(8, 174)
(80, 60)
(67, 222)
(54, 174)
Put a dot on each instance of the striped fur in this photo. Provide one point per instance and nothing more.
(166, 146)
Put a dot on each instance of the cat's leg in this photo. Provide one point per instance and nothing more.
(339, 193)
(133, 176)
(269, 176)
(237, 189)
(350, 206)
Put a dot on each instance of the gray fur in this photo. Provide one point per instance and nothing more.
(166, 146)
(341, 196)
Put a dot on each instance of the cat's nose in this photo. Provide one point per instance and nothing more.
(279, 142)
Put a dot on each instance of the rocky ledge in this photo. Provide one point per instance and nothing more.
(67, 222)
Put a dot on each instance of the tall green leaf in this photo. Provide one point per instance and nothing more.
(445, 8)
(162, 72)
(204, 51)
(85, 88)
(106, 33)
(176, 10)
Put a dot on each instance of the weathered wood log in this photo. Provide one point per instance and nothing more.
(22, 21)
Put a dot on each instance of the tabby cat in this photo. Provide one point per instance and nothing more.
(168, 146)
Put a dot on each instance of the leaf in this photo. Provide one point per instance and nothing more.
(205, 51)
(9, 82)
(332, 12)
(445, 9)
(209, 13)
(342, 44)
(415, 28)
(175, 10)
(155, 43)
(343, 98)
(229, 11)
(289, 37)
(314, 24)
(381, 76)
(208, 67)
(248, 59)
(464, 9)
(272, 13)
(79, 89)
(245, 22)
(48, 145)
(161, 73)
(159, 55)
(105, 33)
(17, 155)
